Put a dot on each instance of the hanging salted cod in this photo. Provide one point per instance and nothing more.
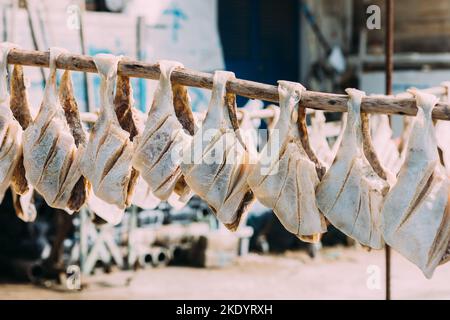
(337, 142)
(318, 138)
(442, 134)
(249, 135)
(10, 129)
(133, 121)
(416, 213)
(12, 123)
(272, 122)
(80, 192)
(51, 157)
(217, 162)
(247, 130)
(285, 177)
(384, 144)
(109, 213)
(351, 193)
(249, 124)
(22, 192)
(406, 129)
(129, 121)
(107, 157)
(169, 127)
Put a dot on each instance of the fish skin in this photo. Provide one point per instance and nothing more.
(351, 193)
(169, 126)
(415, 216)
(106, 160)
(218, 173)
(50, 152)
(288, 186)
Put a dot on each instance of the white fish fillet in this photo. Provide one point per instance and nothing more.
(10, 129)
(108, 212)
(51, 158)
(442, 134)
(337, 142)
(248, 132)
(272, 122)
(443, 142)
(351, 192)
(250, 138)
(169, 127)
(133, 121)
(22, 193)
(318, 138)
(216, 163)
(24, 205)
(383, 143)
(415, 216)
(80, 191)
(285, 178)
(106, 161)
(143, 196)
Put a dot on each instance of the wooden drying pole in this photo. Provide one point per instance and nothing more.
(314, 100)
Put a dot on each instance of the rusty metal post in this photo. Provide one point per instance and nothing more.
(389, 46)
(389, 55)
(33, 36)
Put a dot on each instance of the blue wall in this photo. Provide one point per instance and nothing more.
(260, 39)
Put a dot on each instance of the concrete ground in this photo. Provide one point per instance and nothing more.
(339, 273)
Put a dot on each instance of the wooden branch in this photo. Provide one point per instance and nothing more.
(250, 89)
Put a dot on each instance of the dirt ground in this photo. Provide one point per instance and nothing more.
(338, 273)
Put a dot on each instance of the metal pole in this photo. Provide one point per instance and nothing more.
(84, 238)
(389, 44)
(132, 226)
(389, 52)
(140, 55)
(87, 93)
(33, 35)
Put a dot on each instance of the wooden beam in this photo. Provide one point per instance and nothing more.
(250, 89)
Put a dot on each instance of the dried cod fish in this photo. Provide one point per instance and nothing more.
(10, 133)
(217, 162)
(170, 126)
(352, 191)
(285, 177)
(22, 193)
(416, 216)
(107, 157)
(51, 157)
